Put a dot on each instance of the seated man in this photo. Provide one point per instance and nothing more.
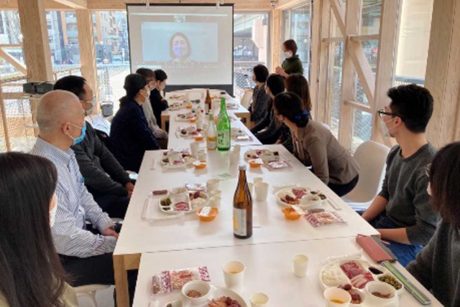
(104, 177)
(86, 257)
(402, 212)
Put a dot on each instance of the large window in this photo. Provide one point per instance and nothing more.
(250, 47)
(414, 38)
(297, 26)
(112, 53)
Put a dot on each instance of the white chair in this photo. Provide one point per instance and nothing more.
(371, 158)
(89, 291)
(246, 99)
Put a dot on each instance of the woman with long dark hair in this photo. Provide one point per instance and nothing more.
(315, 145)
(30, 271)
(297, 84)
(267, 130)
(437, 266)
(130, 133)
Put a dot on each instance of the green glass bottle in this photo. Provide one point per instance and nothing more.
(223, 128)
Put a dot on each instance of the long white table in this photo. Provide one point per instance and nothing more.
(176, 141)
(268, 270)
(200, 94)
(140, 236)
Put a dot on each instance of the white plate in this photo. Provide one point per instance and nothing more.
(188, 116)
(265, 154)
(333, 268)
(304, 202)
(175, 298)
(219, 292)
(189, 132)
(176, 198)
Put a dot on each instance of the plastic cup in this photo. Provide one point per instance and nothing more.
(299, 265)
(259, 300)
(194, 149)
(234, 274)
(261, 191)
(336, 297)
(212, 185)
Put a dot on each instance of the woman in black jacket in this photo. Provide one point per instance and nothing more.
(130, 134)
(268, 130)
(260, 98)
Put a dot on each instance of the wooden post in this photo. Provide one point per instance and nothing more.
(275, 39)
(87, 50)
(352, 26)
(315, 55)
(35, 40)
(386, 63)
(4, 122)
(442, 73)
(321, 103)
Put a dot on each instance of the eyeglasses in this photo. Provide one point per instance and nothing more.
(383, 113)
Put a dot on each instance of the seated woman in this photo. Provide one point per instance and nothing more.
(130, 134)
(30, 270)
(292, 63)
(268, 130)
(159, 104)
(437, 266)
(260, 98)
(297, 84)
(316, 146)
(160, 134)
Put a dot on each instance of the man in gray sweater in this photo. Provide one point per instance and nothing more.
(104, 177)
(437, 266)
(402, 212)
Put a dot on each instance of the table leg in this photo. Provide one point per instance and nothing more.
(121, 281)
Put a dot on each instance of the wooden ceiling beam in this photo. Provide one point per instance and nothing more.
(240, 5)
(73, 4)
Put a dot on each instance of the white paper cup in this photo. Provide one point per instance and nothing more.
(250, 187)
(336, 297)
(234, 274)
(258, 180)
(194, 149)
(261, 191)
(259, 300)
(299, 265)
(212, 185)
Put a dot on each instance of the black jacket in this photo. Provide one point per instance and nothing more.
(130, 135)
(260, 104)
(101, 171)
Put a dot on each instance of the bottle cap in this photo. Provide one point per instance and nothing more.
(242, 167)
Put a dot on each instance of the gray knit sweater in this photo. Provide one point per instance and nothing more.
(404, 187)
(437, 266)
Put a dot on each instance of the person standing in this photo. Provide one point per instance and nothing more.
(291, 63)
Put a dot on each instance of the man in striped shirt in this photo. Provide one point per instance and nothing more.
(86, 256)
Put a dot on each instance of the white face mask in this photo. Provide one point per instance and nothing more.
(53, 215)
(288, 54)
(428, 189)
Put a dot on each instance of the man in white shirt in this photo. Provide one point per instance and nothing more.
(86, 256)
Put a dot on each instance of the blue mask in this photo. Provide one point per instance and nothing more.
(80, 138)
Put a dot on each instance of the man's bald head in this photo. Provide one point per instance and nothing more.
(58, 107)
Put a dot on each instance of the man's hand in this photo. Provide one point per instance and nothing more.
(109, 232)
(130, 188)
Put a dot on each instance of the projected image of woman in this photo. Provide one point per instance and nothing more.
(179, 48)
